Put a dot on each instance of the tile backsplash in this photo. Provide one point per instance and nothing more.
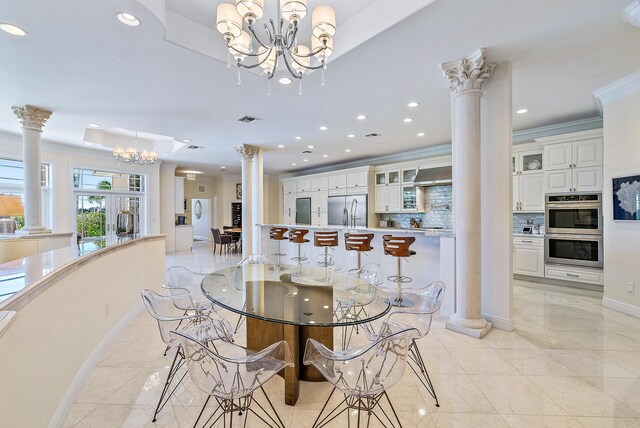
(438, 201)
(520, 221)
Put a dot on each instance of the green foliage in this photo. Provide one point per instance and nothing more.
(19, 221)
(90, 224)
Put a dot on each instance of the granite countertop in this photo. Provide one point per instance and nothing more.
(425, 232)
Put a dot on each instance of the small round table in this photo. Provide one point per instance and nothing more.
(290, 303)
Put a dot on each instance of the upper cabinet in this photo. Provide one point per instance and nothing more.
(338, 181)
(358, 179)
(573, 162)
(319, 184)
(385, 178)
(527, 166)
(527, 162)
(179, 195)
(409, 174)
(290, 188)
(303, 186)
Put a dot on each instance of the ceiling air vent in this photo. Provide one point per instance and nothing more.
(194, 147)
(307, 151)
(248, 119)
(372, 135)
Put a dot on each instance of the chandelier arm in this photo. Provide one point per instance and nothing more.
(317, 67)
(312, 54)
(247, 53)
(291, 71)
(255, 36)
(292, 32)
(259, 62)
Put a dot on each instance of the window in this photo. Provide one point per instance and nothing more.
(88, 179)
(12, 183)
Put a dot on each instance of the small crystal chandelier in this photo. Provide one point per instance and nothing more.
(131, 155)
(282, 42)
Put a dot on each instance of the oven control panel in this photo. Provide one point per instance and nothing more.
(573, 197)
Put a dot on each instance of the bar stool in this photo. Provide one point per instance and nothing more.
(398, 247)
(359, 242)
(297, 236)
(326, 240)
(277, 234)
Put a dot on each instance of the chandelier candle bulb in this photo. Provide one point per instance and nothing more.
(228, 22)
(317, 46)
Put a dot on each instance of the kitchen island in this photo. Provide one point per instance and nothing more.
(434, 259)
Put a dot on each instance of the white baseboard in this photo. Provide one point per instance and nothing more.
(625, 308)
(60, 415)
(500, 323)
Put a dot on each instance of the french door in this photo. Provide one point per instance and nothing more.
(103, 219)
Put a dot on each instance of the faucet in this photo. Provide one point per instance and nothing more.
(353, 211)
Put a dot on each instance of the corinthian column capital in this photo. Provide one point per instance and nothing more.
(31, 117)
(247, 151)
(468, 73)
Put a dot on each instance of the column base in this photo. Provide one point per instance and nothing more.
(474, 328)
(26, 231)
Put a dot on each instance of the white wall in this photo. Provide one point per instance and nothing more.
(621, 157)
(167, 213)
(62, 158)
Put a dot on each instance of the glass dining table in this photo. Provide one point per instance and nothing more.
(294, 303)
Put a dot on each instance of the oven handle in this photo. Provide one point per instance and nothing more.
(581, 205)
(579, 237)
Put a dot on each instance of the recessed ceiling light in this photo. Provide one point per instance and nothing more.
(186, 140)
(323, 128)
(348, 150)
(408, 120)
(94, 125)
(187, 171)
(310, 147)
(305, 160)
(420, 134)
(293, 164)
(350, 136)
(298, 138)
(285, 81)
(223, 167)
(413, 104)
(362, 117)
(280, 146)
(325, 156)
(14, 30)
(128, 19)
(523, 111)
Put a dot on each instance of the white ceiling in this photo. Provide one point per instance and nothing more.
(86, 67)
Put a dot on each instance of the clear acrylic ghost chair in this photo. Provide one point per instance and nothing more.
(427, 301)
(362, 374)
(232, 376)
(362, 293)
(253, 259)
(165, 309)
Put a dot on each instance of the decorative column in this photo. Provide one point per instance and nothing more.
(257, 194)
(32, 120)
(247, 153)
(466, 77)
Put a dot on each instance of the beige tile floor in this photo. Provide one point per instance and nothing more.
(570, 363)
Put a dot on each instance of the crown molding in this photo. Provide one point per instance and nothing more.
(618, 89)
(632, 14)
(529, 135)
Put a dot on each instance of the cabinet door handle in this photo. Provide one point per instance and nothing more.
(573, 275)
(527, 242)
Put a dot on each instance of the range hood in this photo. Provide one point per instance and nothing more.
(440, 176)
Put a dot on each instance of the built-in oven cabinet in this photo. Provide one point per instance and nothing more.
(528, 256)
(575, 274)
(574, 250)
(576, 154)
(528, 192)
(588, 179)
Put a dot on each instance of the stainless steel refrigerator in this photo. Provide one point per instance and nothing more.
(350, 211)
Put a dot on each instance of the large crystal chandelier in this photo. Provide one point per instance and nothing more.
(131, 155)
(282, 39)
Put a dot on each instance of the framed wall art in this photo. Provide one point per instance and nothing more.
(626, 198)
(239, 191)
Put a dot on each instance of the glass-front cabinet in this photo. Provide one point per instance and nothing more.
(409, 174)
(527, 162)
(409, 198)
(385, 178)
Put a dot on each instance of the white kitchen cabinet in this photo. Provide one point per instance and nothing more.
(319, 184)
(388, 199)
(338, 181)
(357, 179)
(386, 178)
(319, 201)
(319, 218)
(289, 209)
(289, 188)
(574, 180)
(303, 186)
(184, 237)
(528, 256)
(575, 154)
(575, 274)
(587, 153)
(528, 192)
(527, 162)
(179, 195)
(558, 156)
(408, 175)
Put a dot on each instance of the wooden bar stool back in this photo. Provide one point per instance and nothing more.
(359, 242)
(297, 236)
(278, 234)
(399, 247)
(325, 240)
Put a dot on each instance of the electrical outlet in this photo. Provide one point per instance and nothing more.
(631, 288)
